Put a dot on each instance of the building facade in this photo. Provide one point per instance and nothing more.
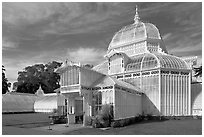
(137, 77)
(137, 55)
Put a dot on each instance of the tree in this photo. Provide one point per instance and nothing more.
(50, 79)
(5, 83)
(32, 77)
(90, 66)
(198, 71)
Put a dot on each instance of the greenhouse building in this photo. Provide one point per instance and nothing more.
(137, 77)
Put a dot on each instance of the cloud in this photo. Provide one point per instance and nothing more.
(6, 44)
(42, 32)
(86, 55)
(26, 13)
(56, 18)
(187, 48)
(184, 16)
(167, 36)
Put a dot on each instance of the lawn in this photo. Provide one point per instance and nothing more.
(25, 120)
(27, 123)
(169, 127)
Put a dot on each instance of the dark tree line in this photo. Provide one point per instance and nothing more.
(5, 83)
(32, 77)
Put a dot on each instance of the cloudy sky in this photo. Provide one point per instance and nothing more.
(42, 32)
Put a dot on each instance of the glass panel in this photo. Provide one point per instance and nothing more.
(152, 31)
(149, 62)
(135, 65)
(167, 61)
(98, 102)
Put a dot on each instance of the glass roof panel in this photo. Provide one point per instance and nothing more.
(169, 61)
(149, 61)
(152, 31)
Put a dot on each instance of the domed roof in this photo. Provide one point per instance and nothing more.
(148, 61)
(135, 32)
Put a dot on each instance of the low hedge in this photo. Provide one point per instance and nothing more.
(99, 121)
(127, 121)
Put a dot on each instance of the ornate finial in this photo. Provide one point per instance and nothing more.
(137, 18)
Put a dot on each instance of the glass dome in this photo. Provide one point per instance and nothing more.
(134, 33)
(148, 61)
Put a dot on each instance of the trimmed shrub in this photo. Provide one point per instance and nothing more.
(104, 118)
(122, 122)
(139, 118)
(96, 123)
(149, 117)
(127, 121)
(115, 124)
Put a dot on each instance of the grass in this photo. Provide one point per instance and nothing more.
(26, 122)
(169, 127)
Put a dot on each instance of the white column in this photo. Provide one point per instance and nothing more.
(173, 93)
(181, 109)
(163, 95)
(84, 111)
(87, 102)
(159, 92)
(177, 86)
(184, 95)
(189, 95)
(185, 108)
(178, 94)
(79, 76)
(170, 95)
(186, 83)
(167, 94)
(187, 101)
(113, 94)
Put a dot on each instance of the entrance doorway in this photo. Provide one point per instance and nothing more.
(75, 110)
(79, 111)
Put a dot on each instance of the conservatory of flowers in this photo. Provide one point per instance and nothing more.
(137, 77)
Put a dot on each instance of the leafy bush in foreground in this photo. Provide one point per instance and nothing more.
(104, 118)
